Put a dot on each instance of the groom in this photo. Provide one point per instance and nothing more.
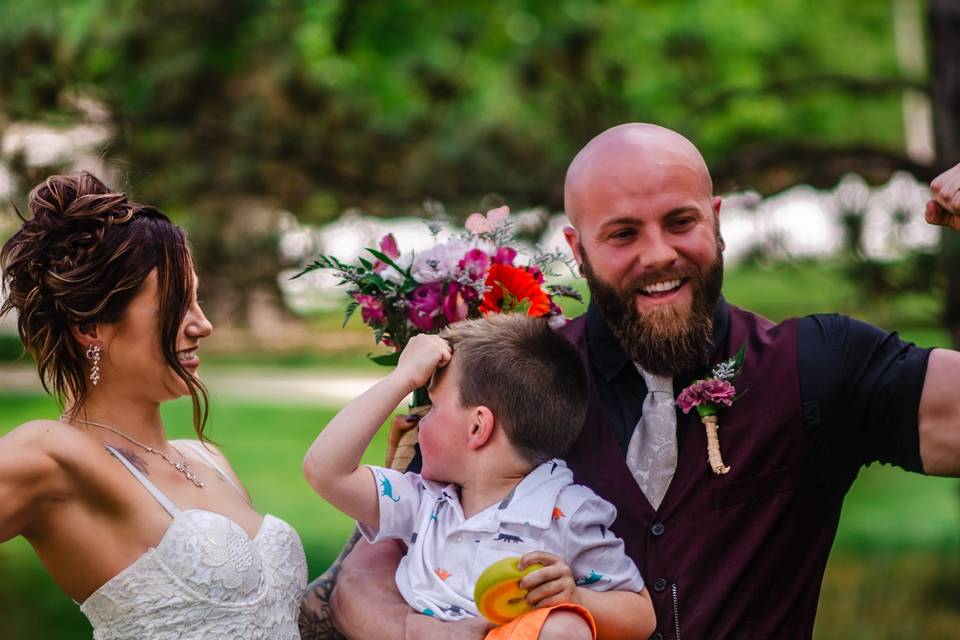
(729, 555)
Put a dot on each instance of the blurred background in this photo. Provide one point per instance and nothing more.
(276, 129)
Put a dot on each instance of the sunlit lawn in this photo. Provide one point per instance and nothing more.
(894, 573)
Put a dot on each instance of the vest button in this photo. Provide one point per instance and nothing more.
(657, 636)
(657, 529)
(660, 585)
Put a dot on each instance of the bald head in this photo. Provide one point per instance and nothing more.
(634, 158)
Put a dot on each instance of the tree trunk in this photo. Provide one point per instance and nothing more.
(944, 22)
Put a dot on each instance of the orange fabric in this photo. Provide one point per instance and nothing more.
(528, 626)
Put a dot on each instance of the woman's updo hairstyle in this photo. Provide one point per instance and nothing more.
(79, 259)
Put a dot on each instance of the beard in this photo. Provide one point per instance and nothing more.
(668, 339)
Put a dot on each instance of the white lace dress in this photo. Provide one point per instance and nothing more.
(206, 578)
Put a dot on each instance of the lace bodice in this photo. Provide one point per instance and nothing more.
(206, 578)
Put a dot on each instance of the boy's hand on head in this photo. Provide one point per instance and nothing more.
(552, 585)
(421, 357)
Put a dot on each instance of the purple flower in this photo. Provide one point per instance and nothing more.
(371, 308)
(440, 262)
(504, 255)
(424, 306)
(706, 392)
(536, 273)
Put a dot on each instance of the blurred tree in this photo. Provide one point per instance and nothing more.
(226, 110)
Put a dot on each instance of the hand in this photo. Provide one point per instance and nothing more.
(421, 357)
(944, 208)
(554, 584)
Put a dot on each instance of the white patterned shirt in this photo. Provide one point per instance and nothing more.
(447, 552)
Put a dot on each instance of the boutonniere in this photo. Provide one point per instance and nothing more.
(708, 395)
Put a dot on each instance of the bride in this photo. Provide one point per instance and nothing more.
(155, 538)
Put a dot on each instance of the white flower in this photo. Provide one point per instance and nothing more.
(392, 275)
(440, 262)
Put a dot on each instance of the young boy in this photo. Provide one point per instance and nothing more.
(508, 399)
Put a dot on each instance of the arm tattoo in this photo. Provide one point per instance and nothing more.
(316, 617)
(138, 463)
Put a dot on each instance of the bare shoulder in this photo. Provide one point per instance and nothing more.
(49, 437)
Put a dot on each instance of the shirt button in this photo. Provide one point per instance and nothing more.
(657, 636)
(458, 538)
(657, 529)
(660, 585)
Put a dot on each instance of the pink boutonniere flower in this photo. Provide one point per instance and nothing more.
(707, 396)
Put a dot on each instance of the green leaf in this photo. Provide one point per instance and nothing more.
(738, 358)
(382, 257)
(387, 359)
(348, 312)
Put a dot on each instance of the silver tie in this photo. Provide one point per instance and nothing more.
(652, 453)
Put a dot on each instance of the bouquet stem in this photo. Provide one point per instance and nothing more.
(713, 445)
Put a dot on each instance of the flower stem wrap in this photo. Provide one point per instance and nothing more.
(713, 445)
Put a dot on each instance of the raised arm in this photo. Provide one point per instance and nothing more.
(332, 465)
(366, 585)
(939, 405)
(28, 474)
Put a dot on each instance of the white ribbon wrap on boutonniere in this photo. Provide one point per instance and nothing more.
(708, 396)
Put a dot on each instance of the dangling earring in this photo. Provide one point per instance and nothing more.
(93, 355)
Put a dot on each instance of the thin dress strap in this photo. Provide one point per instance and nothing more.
(209, 459)
(164, 501)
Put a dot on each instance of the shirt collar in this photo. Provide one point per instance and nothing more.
(531, 503)
(608, 355)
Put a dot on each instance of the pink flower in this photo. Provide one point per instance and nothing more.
(706, 392)
(454, 305)
(371, 308)
(475, 264)
(388, 246)
(424, 306)
(478, 223)
(504, 255)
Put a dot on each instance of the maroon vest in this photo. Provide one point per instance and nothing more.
(740, 555)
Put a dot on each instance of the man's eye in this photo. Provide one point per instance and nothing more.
(622, 234)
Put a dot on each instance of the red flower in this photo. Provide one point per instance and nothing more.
(512, 287)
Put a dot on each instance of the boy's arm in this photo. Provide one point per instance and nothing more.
(366, 585)
(332, 465)
(619, 615)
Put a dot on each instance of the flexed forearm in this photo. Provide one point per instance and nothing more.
(332, 464)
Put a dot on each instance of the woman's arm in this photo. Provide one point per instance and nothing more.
(28, 475)
(332, 465)
(366, 585)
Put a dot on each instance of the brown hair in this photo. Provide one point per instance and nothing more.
(530, 377)
(79, 259)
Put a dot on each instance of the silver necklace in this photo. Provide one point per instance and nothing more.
(182, 467)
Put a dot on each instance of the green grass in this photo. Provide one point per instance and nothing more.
(894, 572)
(894, 565)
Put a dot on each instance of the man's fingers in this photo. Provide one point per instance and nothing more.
(936, 214)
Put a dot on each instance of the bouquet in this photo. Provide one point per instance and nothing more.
(400, 294)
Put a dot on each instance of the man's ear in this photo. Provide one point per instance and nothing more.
(482, 428)
(573, 240)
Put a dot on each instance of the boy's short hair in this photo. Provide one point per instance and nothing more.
(529, 376)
